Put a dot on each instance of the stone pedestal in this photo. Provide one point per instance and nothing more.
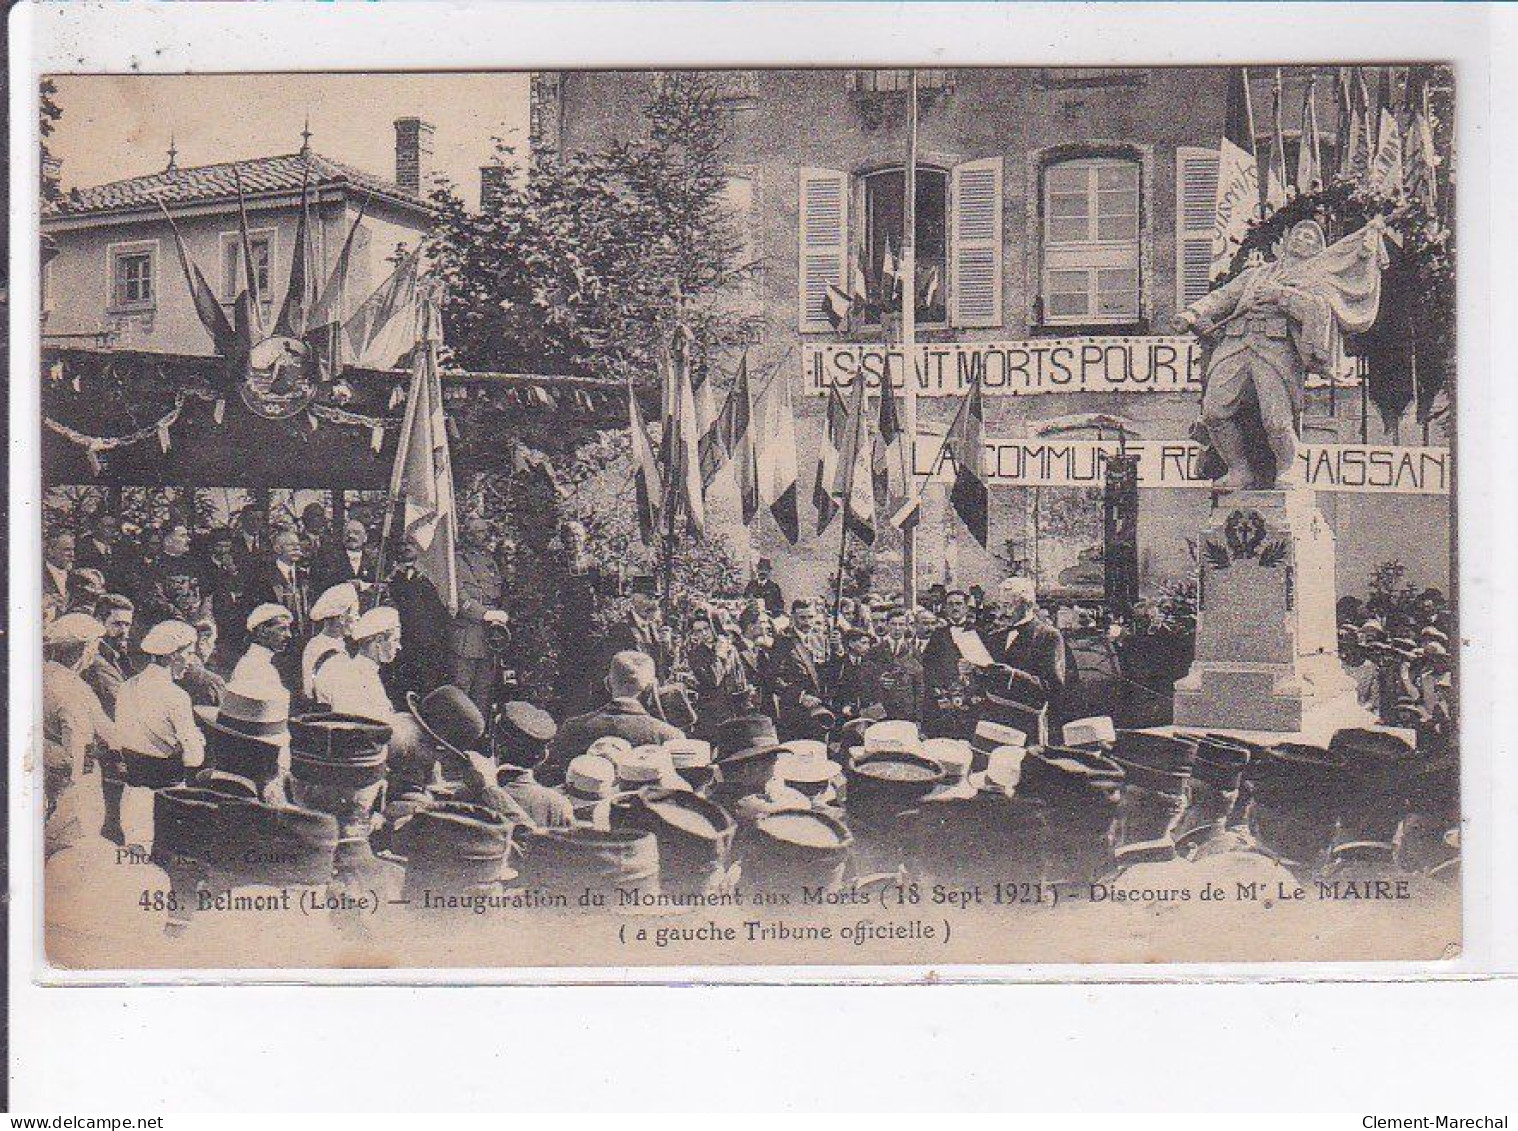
(1267, 650)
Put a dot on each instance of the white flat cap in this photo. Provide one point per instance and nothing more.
(613, 748)
(73, 628)
(168, 637)
(267, 612)
(335, 602)
(380, 619)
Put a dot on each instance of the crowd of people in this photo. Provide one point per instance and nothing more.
(262, 689)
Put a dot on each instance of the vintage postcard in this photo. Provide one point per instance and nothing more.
(617, 519)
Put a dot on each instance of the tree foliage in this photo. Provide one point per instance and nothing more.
(48, 113)
(585, 264)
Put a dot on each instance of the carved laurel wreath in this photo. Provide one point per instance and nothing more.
(1245, 534)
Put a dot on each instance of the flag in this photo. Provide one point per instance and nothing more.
(928, 287)
(1310, 146)
(1275, 184)
(775, 458)
(207, 307)
(891, 475)
(731, 440)
(1344, 103)
(291, 322)
(1419, 176)
(1238, 175)
(965, 444)
(852, 484)
(383, 329)
(839, 304)
(1362, 133)
(835, 423)
(421, 485)
(328, 307)
(890, 275)
(645, 471)
(249, 267)
(1386, 166)
(682, 448)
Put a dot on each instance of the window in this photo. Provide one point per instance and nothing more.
(132, 277)
(900, 79)
(1091, 247)
(850, 231)
(884, 208)
(233, 278)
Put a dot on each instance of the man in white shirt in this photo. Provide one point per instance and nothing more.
(155, 724)
(269, 629)
(352, 684)
(336, 611)
(73, 720)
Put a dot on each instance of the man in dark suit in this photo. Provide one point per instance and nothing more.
(640, 630)
(426, 627)
(794, 680)
(250, 543)
(354, 560)
(763, 587)
(281, 579)
(629, 682)
(97, 550)
(1029, 644)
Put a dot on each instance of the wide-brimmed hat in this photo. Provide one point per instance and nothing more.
(805, 761)
(899, 735)
(449, 717)
(745, 736)
(1094, 731)
(590, 778)
(250, 710)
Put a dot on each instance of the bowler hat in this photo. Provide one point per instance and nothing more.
(449, 717)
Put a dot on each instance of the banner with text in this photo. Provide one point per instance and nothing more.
(1115, 364)
(1035, 462)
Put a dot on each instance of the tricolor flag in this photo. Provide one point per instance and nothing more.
(421, 484)
(852, 485)
(733, 442)
(965, 444)
(1419, 176)
(889, 470)
(835, 424)
(645, 471)
(1363, 132)
(1310, 146)
(775, 456)
(249, 267)
(1275, 184)
(382, 330)
(1238, 193)
(328, 308)
(291, 322)
(682, 446)
(1386, 166)
(1347, 126)
(207, 307)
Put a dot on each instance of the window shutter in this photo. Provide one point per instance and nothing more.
(823, 253)
(975, 291)
(1196, 187)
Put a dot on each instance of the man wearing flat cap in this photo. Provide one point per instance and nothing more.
(353, 683)
(73, 721)
(155, 723)
(270, 627)
(334, 613)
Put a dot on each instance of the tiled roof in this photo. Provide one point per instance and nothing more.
(203, 184)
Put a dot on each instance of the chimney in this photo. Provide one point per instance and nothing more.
(492, 183)
(413, 154)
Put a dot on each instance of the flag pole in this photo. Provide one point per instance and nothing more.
(909, 346)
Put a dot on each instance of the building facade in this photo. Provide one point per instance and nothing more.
(1062, 217)
(112, 278)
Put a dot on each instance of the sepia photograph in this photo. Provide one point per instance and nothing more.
(766, 517)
